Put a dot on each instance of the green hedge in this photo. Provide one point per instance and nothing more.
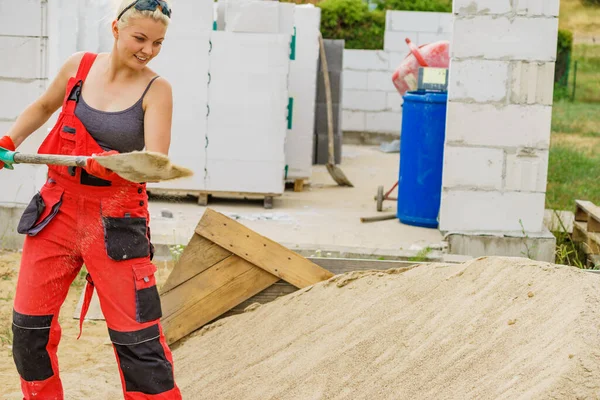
(564, 47)
(352, 21)
(415, 5)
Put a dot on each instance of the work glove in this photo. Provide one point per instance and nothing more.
(6, 143)
(93, 168)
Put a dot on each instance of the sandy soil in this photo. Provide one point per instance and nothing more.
(490, 328)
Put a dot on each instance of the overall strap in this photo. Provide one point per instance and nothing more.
(74, 91)
(85, 65)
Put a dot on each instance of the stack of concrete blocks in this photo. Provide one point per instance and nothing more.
(334, 51)
(302, 90)
(23, 78)
(184, 62)
(248, 98)
(371, 102)
(498, 127)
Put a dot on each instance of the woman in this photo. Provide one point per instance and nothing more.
(110, 103)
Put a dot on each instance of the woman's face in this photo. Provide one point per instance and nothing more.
(140, 41)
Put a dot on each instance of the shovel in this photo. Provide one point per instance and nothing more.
(137, 166)
(336, 172)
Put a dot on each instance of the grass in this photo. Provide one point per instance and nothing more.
(572, 174)
(578, 18)
(588, 72)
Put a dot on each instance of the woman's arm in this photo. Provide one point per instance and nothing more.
(158, 117)
(38, 112)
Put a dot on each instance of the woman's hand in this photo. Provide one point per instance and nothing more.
(6, 143)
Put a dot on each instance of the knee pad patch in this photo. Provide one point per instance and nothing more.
(31, 334)
(142, 361)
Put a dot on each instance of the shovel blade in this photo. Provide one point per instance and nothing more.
(143, 166)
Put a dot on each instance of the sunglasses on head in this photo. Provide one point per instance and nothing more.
(148, 5)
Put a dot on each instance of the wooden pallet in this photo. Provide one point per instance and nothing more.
(297, 184)
(225, 264)
(203, 196)
(586, 228)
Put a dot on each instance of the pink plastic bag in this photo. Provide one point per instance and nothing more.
(436, 55)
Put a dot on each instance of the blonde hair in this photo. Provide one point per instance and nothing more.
(156, 15)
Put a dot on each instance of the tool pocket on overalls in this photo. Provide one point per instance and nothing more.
(42, 208)
(147, 299)
(68, 135)
(125, 238)
(125, 228)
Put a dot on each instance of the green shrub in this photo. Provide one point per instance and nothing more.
(415, 5)
(352, 21)
(591, 2)
(564, 48)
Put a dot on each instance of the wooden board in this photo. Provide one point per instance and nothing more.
(210, 294)
(586, 211)
(199, 255)
(260, 251)
(590, 240)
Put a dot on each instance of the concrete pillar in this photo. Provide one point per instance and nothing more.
(499, 115)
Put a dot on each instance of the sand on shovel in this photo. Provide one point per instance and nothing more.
(143, 166)
(493, 328)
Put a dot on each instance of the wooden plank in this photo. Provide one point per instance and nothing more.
(590, 240)
(591, 213)
(579, 231)
(259, 250)
(208, 295)
(199, 255)
(195, 193)
(343, 265)
(581, 207)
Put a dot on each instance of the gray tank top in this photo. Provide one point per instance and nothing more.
(122, 131)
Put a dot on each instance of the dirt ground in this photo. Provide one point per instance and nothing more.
(88, 366)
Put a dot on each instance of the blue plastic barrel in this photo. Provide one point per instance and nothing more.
(421, 158)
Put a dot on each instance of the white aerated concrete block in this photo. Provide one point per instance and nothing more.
(446, 23)
(353, 121)
(501, 38)
(23, 57)
(192, 18)
(478, 80)
(532, 83)
(500, 126)
(362, 100)
(22, 18)
(479, 168)
(380, 80)
(18, 94)
(413, 21)
(535, 8)
(355, 79)
(394, 101)
(384, 122)
(482, 7)
(426, 38)
(527, 171)
(396, 58)
(252, 16)
(366, 60)
(464, 210)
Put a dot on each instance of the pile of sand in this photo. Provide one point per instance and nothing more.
(490, 328)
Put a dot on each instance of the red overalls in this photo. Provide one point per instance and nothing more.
(77, 218)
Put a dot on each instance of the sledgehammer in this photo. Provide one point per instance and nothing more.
(137, 166)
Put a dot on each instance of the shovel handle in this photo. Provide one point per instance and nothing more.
(50, 159)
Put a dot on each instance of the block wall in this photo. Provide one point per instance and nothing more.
(499, 115)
